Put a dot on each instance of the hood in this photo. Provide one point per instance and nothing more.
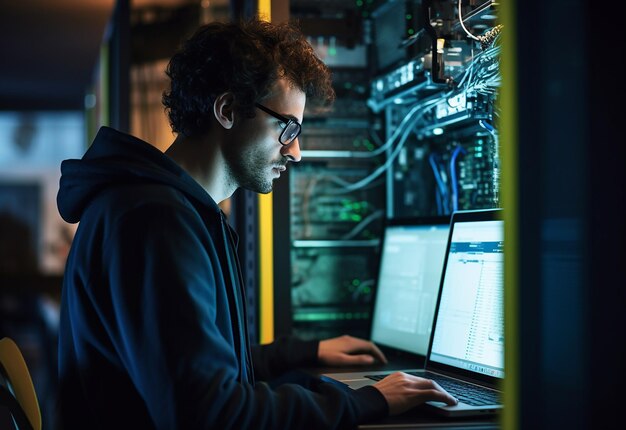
(116, 159)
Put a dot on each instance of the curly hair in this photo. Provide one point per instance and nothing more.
(245, 59)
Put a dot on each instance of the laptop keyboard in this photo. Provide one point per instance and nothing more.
(466, 393)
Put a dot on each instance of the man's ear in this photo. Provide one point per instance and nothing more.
(223, 109)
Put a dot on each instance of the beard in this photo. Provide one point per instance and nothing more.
(258, 182)
(252, 171)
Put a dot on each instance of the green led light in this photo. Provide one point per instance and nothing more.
(356, 282)
(347, 85)
(332, 52)
(330, 316)
(410, 31)
(409, 16)
(359, 3)
(356, 217)
(312, 317)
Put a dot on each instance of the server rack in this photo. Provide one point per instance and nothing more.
(413, 133)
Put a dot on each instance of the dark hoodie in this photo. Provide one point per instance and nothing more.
(152, 331)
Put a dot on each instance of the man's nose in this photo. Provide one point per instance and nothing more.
(292, 150)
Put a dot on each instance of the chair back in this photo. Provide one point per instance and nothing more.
(16, 387)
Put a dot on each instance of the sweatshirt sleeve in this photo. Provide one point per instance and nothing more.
(169, 333)
(284, 354)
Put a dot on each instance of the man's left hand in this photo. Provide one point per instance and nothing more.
(348, 351)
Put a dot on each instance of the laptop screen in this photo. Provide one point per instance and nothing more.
(469, 327)
(408, 285)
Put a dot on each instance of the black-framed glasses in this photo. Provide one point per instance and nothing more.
(292, 127)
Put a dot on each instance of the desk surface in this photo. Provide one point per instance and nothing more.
(419, 418)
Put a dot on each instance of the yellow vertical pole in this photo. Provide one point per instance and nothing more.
(266, 241)
(265, 10)
(508, 139)
(266, 268)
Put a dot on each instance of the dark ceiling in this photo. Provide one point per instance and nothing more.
(49, 50)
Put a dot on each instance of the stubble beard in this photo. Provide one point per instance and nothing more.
(258, 181)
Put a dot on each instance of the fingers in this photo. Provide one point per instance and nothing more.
(361, 345)
(403, 391)
(436, 393)
(425, 389)
(377, 353)
(440, 396)
(359, 359)
(348, 350)
(425, 383)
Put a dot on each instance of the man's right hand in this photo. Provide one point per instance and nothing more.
(403, 392)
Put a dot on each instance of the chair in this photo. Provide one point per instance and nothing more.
(17, 392)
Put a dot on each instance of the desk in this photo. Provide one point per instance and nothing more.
(417, 418)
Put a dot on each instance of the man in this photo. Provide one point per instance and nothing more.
(153, 330)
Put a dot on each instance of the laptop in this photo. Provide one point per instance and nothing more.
(409, 275)
(466, 352)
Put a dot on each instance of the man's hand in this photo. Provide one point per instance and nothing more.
(347, 351)
(403, 392)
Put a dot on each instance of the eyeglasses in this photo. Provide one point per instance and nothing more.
(291, 130)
